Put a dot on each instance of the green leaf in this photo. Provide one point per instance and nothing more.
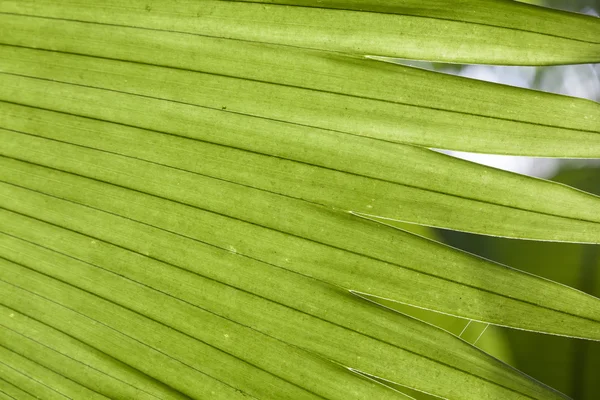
(195, 216)
(296, 235)
(310, 88)
(349, 173)
(9, 391)
(76, 360)
(466, 31)
(569, 365)
(299, 310)
(52, 385)
(570, 216)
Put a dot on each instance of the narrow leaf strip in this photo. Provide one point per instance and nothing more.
(474, 31)
(351, 174)
(359, 97)
(326, 244)
(77, 361)
(9, 391)
(300, 374)
(47, 377)
(301, 311)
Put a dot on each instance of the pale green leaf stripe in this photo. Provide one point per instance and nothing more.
(329, 245)
(159, 358)
(181, 331)
(6, 396)
(362, 97)
(357, 174)
(63, 386)
(81, 329)
(474, 31)
(359, 351)
(77, 361)
(12, 392)
(299, 68)
(27, 383)
(74, 309)
(344, 328)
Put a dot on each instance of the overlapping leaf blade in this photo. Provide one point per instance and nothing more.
(312, 88)
(368, 331)
(195, 224)
(340, 170)
(466, 31)
(78, 361)
(258, 224)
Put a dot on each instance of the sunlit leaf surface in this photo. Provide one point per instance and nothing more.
(197, 199)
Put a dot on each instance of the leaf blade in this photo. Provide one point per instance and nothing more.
(316, 335)
(287, 225)
(474, 31)
(339, 172)
(360, 97)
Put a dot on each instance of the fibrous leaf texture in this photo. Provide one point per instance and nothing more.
(203, 199)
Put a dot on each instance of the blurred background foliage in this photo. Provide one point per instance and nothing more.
(566, 364)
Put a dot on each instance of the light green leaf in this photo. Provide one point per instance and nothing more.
(9, 391)
(350, 173)
(60, 386)
(77, 361)
(310, 88)
(196, 215)
(451, 181)
(299, 310)
(465, 31)
(296, 235)
(212, 355)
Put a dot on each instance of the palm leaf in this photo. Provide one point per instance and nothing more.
(197, 215)
(467, 31)
(344, 94)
